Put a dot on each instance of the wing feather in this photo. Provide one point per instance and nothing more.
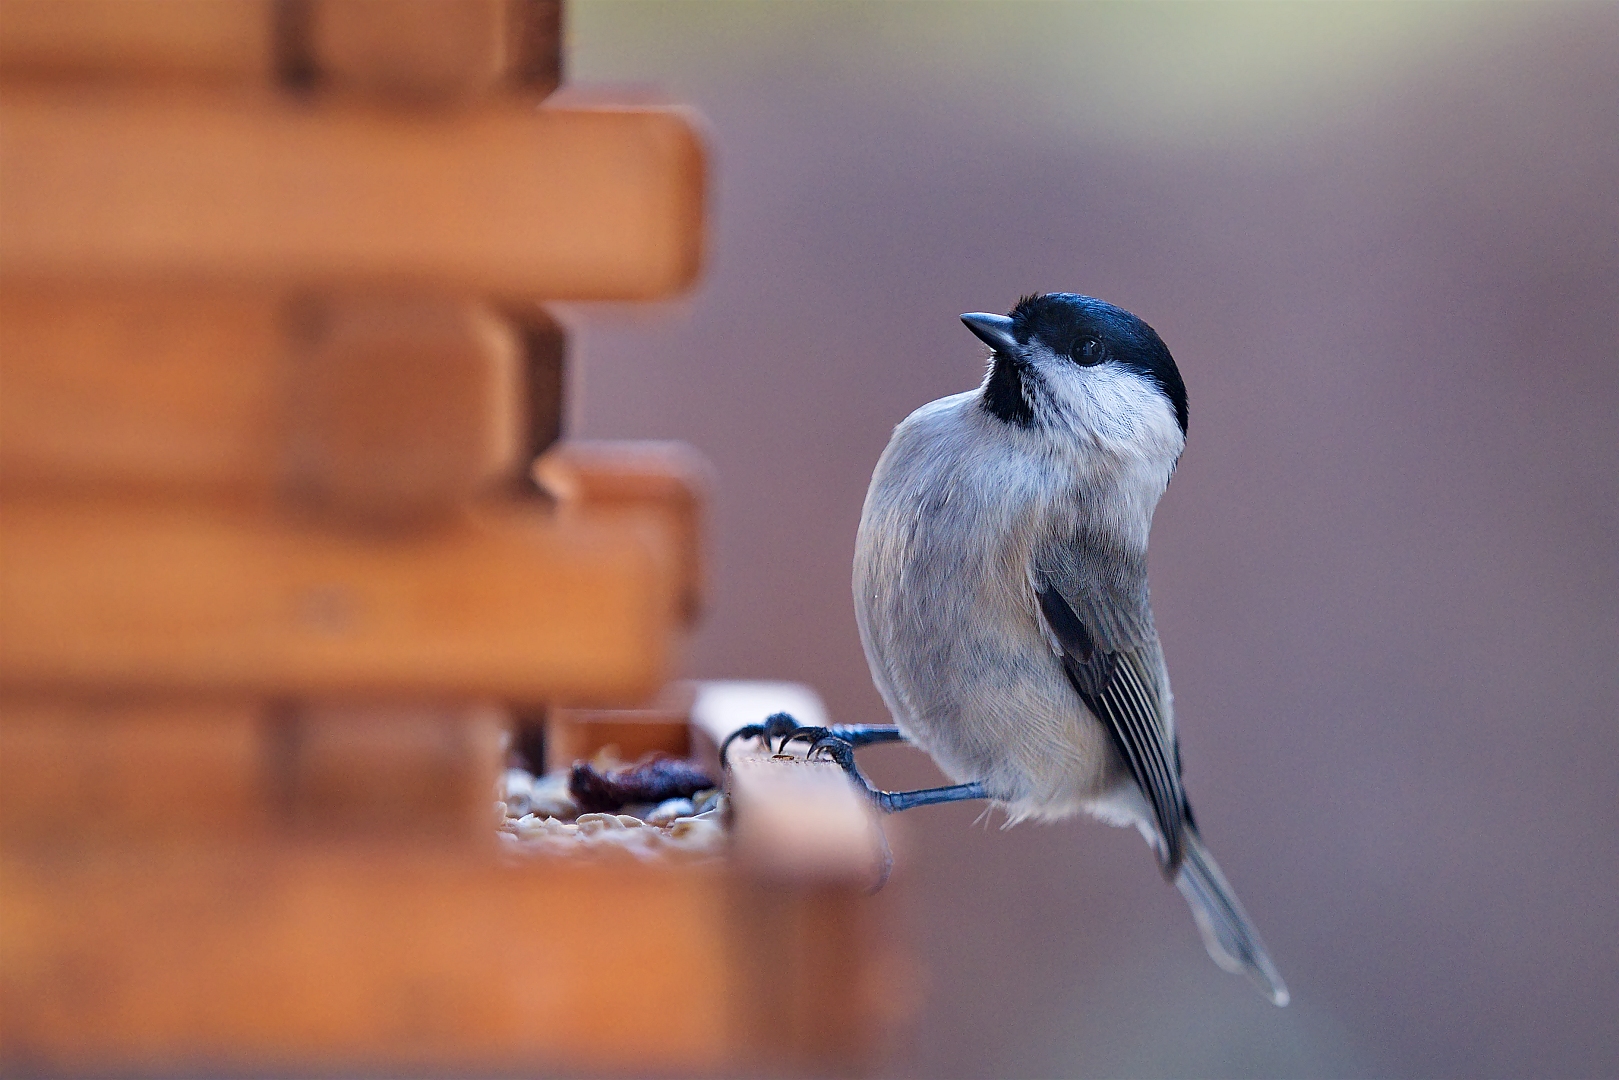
(1111, 660)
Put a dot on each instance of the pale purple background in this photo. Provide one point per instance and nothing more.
(1383, 244)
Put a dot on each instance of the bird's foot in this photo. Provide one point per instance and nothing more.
(837, 743)
(774, 731)
(780, 729)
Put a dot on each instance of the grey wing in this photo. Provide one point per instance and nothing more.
(1093, 596)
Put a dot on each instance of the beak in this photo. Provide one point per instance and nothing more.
(993, 330)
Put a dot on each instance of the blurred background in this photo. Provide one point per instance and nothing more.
(1383, 244)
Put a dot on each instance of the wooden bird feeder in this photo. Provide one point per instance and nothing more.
(291, 541)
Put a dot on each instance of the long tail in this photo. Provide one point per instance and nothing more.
(1230, 938)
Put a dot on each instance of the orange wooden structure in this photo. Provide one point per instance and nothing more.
(287, 539)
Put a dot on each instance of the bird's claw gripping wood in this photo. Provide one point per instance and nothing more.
(780, 729)
(838, 743)
(773, 731)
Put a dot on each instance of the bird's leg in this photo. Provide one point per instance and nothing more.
(842, 751)
(866, 734)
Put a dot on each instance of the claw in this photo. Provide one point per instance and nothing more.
(776, 728)
(813, 734)
(838, 749)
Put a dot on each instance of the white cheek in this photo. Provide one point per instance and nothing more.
(1119, 408)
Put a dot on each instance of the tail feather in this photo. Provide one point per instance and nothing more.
(1227, 933)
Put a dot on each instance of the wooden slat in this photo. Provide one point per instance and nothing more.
(432, 50)
(267, 960)
(140, 386)
(197, 41)
(548, 204)
(386, 771)
(504, 602)
(414, 50)
(398, 405)
(808, 846)
(120, 771)
(378, 404)
(578, 734)
(823, 982)
(665, 483)
(134, 957)
(794, 817)
(803, 820)
(114, 770)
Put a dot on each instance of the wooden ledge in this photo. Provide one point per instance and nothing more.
(663, 483)
(202, 42)
(522, 202)
(347, 958)
(413, 51)
(503, 601)
(95, 771)
(794, 819)
(366, 404)
(358, 954)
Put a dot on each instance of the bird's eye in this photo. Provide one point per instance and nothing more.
(1088, 352)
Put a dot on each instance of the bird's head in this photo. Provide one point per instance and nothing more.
(1068, 362)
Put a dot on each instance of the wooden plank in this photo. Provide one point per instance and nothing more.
(432, 50)
(111, 770)
(106, 769)
(215, 42)
(141, 386)
(189, 594)
(388, 770)
(399, 405)
(809, 848)
(413, 50)
(797, 819)
(270, 960)
(823, 983)
(579, 734)
(355, 955)
(665, 483)
(380, 404)
(542, 203)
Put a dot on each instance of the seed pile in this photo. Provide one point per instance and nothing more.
(657, 808)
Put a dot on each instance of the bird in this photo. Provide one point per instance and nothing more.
(1000, 588)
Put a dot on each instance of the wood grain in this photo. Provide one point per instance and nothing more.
(268, 960)
(412, 51)
(385, 771)
(210, 42)
(402, 405)
(432, 50)
(384, 404)
(536, 203)
(140, 386)
(664, 483)
(103, 770)
(326, 956)
(209, 596)
(108, 770)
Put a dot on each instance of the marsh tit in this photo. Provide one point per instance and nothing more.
(1000, 583)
